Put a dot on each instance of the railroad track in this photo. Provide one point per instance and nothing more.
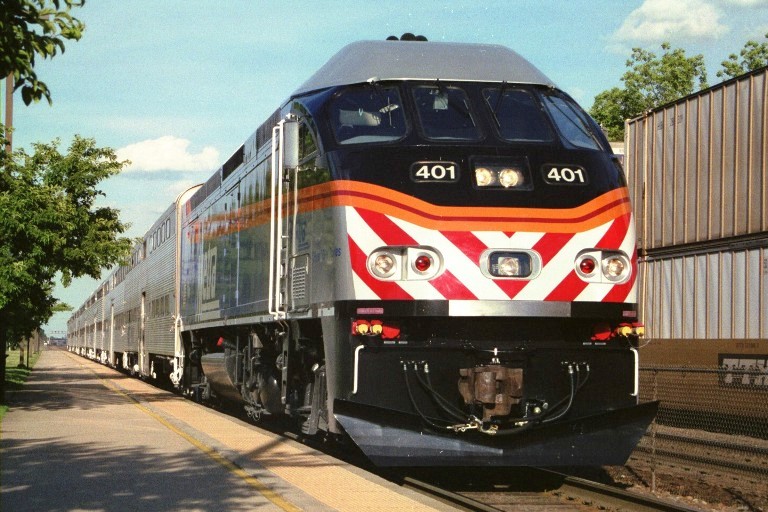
(495, 489)
(528, 489)
(709, 454)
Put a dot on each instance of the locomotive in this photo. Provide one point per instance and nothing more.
(428, 249)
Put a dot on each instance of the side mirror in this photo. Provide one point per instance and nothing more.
(291, 144)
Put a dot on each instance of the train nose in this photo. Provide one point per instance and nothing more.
(391, 438)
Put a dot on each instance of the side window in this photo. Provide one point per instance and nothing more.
(445, 113)
(517, 115)
(573, 124)
(312, 166)
(368, 114)
(307, 145)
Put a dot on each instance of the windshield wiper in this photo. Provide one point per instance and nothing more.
(389, 107)
(461, 109)
(495, 109)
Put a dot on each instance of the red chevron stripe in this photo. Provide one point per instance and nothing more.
(387, 230)
(467, 243)
(447, 284)
(452, 288)
(568, 289)
(550, 244)
(613, 238)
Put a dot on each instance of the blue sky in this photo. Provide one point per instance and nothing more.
(176, 86)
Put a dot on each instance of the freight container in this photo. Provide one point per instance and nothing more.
(697, 167)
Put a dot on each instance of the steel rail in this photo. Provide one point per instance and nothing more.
(571, 489)
(701, 461)
(736, 447)
(614, 498)
(447, 496)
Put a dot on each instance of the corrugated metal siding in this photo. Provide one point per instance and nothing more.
(698, 177)
(712, 295)
(698, 168)
(120, 341)
(160, 267)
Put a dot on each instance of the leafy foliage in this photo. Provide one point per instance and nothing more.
(650, 81)
(32, 28)
(612, 107)
(661, 80)
(51, 227)
(753, 56)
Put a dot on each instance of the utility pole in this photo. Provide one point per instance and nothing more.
(9, 112)
(8, 148)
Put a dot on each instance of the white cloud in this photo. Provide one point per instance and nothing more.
(746, 3)
(661, 20)
(168, 153)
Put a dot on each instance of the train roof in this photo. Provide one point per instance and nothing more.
(417, 60)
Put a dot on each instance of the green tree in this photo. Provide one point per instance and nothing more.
(650, 81)
(30, 29)
(753, 56)
(612, 107)
(51, 228)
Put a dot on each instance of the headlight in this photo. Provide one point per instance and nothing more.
(510, 178)
(510, 264)
(616, 268)
(483, 177)
(383, 265)
(511, 174)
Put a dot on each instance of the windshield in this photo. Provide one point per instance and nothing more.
(517, 115)
(368, 114)
(374, 113)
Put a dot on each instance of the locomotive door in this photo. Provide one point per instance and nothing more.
(285, 137)
(112, 334)
(143, 356)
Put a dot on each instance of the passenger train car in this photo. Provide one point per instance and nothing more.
(427, 248)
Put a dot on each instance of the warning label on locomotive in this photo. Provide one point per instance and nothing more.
(744, 370)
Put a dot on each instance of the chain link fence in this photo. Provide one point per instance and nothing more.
(713, 419)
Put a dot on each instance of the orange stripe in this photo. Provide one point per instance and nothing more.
(599, 211)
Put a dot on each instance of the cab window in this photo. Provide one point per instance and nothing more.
(445, 114)
(368, 114)
(517, 115)
(573, 124)
(307, 145)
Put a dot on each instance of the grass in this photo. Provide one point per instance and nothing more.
(15, 375)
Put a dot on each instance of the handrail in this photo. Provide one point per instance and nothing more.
(276, 223)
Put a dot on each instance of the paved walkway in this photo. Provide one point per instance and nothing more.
(82, 437)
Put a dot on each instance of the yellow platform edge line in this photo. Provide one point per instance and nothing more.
(230, 466)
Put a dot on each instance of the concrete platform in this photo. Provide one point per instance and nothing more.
(83, 437)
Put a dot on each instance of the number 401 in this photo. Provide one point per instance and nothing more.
(436, 172)
(566, 175)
